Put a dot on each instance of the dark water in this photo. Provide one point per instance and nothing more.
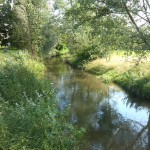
(113, 120)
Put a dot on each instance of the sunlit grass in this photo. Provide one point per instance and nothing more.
(131, 71)
(120, 63)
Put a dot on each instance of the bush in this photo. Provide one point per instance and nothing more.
(21, 77)
(29, 114)
(136, 85)
(36, 125)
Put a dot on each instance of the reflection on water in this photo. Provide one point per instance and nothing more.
(113, 120)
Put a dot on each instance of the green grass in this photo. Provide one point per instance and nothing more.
(123, 70)
(29, 113)
(121, 67)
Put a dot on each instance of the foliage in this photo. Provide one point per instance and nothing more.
(27, 19)
(37, 125)
(5, 26)
(94, 27)
(51, 37)
(21, 76)
(30, 15)
(121, 68)
(29, 113)
(92, 30)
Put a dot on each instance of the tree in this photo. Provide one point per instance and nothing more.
(5, 26)
(96, 32)
(27, 18)
(138, 11)
(104, 14)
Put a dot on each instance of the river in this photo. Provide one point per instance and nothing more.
(113, 120)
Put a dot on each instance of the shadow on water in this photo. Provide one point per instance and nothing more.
(114, 121)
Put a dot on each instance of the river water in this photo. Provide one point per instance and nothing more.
(113, 120)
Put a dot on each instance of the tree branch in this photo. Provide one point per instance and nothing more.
(148, 4)
(134, 23)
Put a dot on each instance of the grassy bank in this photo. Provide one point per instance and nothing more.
(121, 68)
(29, 113)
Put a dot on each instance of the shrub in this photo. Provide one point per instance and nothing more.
(19, 78)
(36, 125)
(29, 114)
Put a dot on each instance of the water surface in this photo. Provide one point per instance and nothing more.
(114, 120)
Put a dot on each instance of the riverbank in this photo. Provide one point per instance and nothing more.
(30, 117)
(125, 70)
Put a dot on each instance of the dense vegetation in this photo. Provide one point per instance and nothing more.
(111, 39)
(90, 29)
(124, 71)
(29, 114)
(108, 38)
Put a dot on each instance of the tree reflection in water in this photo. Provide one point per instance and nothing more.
(118, 133)
(113, 120)
(115, 132)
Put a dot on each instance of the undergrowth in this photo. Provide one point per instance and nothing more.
(29, 114)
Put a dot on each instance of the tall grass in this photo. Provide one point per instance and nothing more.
(29, 114)
(123, 68)
(21, 75)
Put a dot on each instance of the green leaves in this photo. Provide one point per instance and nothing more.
(27, 19)
(29, 114)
